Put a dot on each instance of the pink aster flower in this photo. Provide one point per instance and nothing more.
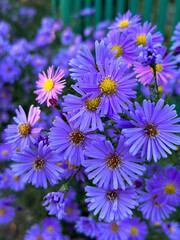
(49, 85)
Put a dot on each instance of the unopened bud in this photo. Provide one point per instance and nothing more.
(54, 103)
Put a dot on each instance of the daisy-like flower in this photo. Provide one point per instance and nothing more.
(36, 233)
(138, 230)
(72, 212)
(86, 114)
(70, 142)
(7, 212)
(150, 208)
(113, 84)
(125, 22)
(85, 63)
(152, 130)
(122, 45)
(37, 167)
(140, 34)
(22, 133)
(176, 39)
(112, 205)
(5, 152)
(164, 71)
(15, 183)
(113, 231)
(51, 226)
(109, 167)
(87, 226)
(172, 230)
(167, 186)
(49, 85)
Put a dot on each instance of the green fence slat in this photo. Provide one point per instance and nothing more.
(148, 4)
(109, 9)
(98, 13)
(177, 14)
(87, 19)
(65, 11)
(120, 6)
(76, 10)
(54, 8)
(133, 6)
(162, 15)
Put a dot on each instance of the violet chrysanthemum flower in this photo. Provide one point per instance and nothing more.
(123, 46)
(167, 186)
(86, 114)
(164, 71)
(87, 226)
(85, 62)
(125, 22)
(172, 230)
(176, 39)
(109, 167)
(113, 231)
(71, 212)
(5, 152)
(152, 130)
(37, 167)
(7, 212)
(113, 85)
(138, 230)
(150, 208)
(22, 133)
(36, 232)
(70, 142)
(55, 203)
(51, 226)
(49, 85)
(112, 205)
(140, 34)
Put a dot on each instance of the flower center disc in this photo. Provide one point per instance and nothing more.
(141, 39)
(93, 104)
(111, 195)
(108, 86)
(48, 85)
(114, 227)
(151, 130)
(24, 129)
(119, 50)
(50, 229)
(134, 231)
(2, 211)
(76, 137)
(169, 189)
(38, 164)
(124, 24)
(113, 161)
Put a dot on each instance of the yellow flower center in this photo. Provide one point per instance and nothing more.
(157, 224)
(93, 104)
(108, 86)
(58, 164)
(38, 62)
(69, 210)
(124, 24)
(38, 163)
(159, 67)
(169, 189)
(50, 229)
(24, 129)
(71, 166)
(119, 50)
(2, 211)
(39, 238)
(5, 152)
(17, 149)
(160, 89)
(48, 85)
(16, 178)
(171, 229)
(5, 178)
(114, 227)
(134, 231)
(141, 39)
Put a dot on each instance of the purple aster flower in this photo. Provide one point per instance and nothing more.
(172, 230)
(9, 72)
(152, 130)
(72, 212)
(176, 39)
(113, 84)
(164, 71)
(22, 133)
(67, 36)
(167, 186)
(5, 152)
(15, 183)
(87, 226)
(85, 63)
(7, 212)
(4, 29)
(70, 142)
(150, 208)
(51, 226)
(138, 230)
(87, 11)
(113, 230)
(36, 233)
(55, 203)
(125, 22)
(86, 114)
(70, 170)
(38, 63)
(109, 167)
(49, 85)
(37, 167)
(153, 169)
(99, 34)
(111, 205)
(88, 31)
(42, 138)
(4, 177)
(103, 24)
(58, 25)
(122, 45)
(141, 32)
